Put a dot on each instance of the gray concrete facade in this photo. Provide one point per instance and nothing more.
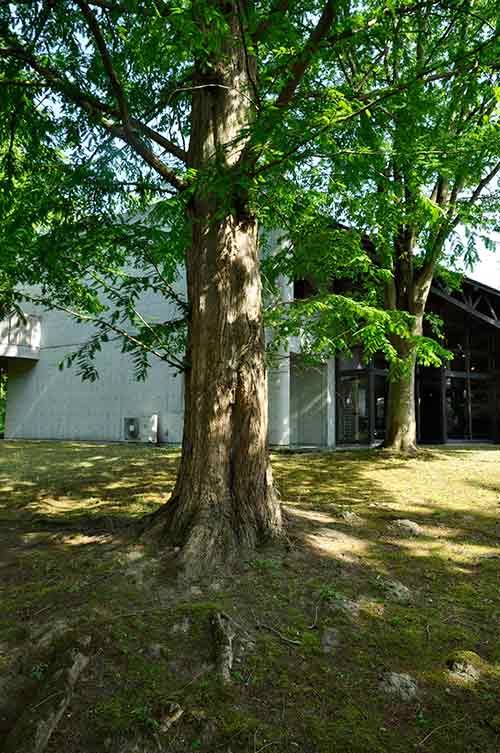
(45, 402)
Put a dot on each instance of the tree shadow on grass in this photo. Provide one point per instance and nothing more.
(344, 552)
(82, 485)
(350, 552)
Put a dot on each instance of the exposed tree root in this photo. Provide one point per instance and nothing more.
(209, 541)
(223, 633)
(36, 725)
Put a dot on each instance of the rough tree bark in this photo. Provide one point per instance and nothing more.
(401, 430)
(224, 500)
(408, 291)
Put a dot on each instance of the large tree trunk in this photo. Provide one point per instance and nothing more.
(401, 427)
(224, 500)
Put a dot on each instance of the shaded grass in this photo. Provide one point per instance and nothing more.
(65, 556)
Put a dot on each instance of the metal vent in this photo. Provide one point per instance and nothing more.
(131, 429)
(141, 428)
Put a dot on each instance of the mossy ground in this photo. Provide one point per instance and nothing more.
(64, 556)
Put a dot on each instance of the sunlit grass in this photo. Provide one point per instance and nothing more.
(64, 555)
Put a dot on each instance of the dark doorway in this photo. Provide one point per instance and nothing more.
(457, 408)
(431, 407)
(481, 405)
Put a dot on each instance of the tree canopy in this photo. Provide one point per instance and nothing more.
(99, 94)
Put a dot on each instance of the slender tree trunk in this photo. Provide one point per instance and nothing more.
(401, 430)
(224, 501)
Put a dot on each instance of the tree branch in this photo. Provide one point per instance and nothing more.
(99, 321)
(126, 300)
(100, 113)
(281, 6)
(84, 100)
(111, 73)
(302, 63)
(450, 222)
(478, 191)
(130, 138)
(156, 8)
(158, 138)
(53, 78)
(382, 95)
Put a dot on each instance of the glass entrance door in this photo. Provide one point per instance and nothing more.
(457, 419)
(352, 410)
(468, 408)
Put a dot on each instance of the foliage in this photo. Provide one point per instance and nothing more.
(96, 129)
(434, 152)
(419, 161)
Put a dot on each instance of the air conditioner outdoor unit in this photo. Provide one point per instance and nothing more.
(141, 428)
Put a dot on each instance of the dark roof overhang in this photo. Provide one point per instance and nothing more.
(472, 295)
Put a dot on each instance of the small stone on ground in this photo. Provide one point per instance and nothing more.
(330, 640)
(396, 591)
(408, 526)
(351, 517)
(400, 684)
(181, 627)
(465, 665)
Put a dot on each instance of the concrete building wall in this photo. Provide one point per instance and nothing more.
(279, 383)
(46, 403)
(308, 404)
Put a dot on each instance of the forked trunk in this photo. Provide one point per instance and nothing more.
(224, 500)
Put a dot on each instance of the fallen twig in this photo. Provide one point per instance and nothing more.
(441, 726)
(263, 747)
(52, 695)
(315, 621)
(140, 611)
(193, 679)
(282, 637)
(259, 750)
(175, 713)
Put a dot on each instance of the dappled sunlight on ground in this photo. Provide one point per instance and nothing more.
(70, 479)
(336, 543)
(393, 601)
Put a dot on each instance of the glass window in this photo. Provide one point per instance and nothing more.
(380, 406)
(481, 409)
(352, 410)
(457, 408)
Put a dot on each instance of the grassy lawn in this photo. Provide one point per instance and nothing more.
(319, 624)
